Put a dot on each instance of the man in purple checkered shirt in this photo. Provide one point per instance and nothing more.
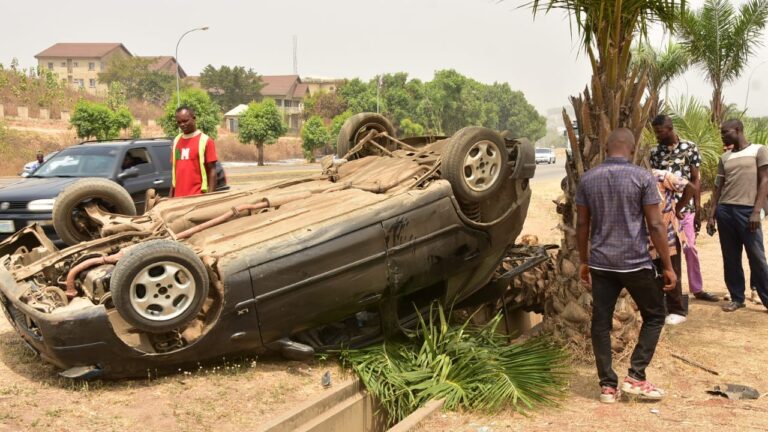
(615, 202)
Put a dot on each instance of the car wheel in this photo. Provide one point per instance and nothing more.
(70, 219)
(159, 286)
(475, 163)
(356, 128)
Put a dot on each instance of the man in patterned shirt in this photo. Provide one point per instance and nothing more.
(681, 158)
(617, 206)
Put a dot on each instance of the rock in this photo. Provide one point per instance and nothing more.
(567, 268)
(575, 313)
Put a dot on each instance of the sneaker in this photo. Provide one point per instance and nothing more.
(755, 298)
(705, 296)
(609, 394)
(641, 388)
(675, 319)
(732, 306)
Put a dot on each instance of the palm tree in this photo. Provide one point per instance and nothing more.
(662, 66)
(613, 98)
(721, 41)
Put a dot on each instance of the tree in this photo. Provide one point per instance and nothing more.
(116, 96)
(262, 124)
(138, 79)
(720, 41)
(207, 112)
(95, 120)
(662, 67)
(231, 86)
(612, 99)
(324, 104)
(314, 135)
(336, 125)
(411, 128)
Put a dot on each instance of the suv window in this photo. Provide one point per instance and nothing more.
(138, 157)
(81, 161)
(163, 157)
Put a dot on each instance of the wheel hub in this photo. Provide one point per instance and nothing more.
(162, 291)
(482, 165)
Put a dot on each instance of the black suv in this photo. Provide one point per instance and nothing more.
(136, 165)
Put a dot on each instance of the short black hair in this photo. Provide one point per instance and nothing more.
(186, 108)
(735, 123)
(662, 120)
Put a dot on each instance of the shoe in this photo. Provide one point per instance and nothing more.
(609, 394)
(675, 319)
(727, 297)
(705, 296)
(641, 388)
(755, 298)
(732, 306)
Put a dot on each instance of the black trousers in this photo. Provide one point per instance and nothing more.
(673, 298)
(645, 290)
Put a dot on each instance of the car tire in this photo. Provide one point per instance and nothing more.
(475, 163)
(356, 128)
(69, 218)
(159, 286)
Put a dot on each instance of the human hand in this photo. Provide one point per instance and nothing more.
(754, 221)
(697, 222)
(670, 279)
(711, 226)
(585, 276)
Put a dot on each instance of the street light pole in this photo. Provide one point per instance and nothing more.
(178, 95)
(749, 81)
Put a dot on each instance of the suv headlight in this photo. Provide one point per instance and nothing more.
(41, 205)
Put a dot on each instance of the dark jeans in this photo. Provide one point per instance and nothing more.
(644, 289)
(673, 298)
(733, 223)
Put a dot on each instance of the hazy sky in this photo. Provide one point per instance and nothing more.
(483, 39)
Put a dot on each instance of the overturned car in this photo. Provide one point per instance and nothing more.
(344, 257)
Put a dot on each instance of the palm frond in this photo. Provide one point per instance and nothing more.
(692, 122)
(471, 368)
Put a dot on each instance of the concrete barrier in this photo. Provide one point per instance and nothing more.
(22, 112)
(65, 116)
(2, 111)
(44, 114)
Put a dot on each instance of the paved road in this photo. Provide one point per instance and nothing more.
(550, 172)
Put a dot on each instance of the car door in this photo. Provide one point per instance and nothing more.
(330, 274)
(162, 161)
(147, 176)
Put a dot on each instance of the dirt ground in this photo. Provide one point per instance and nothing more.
(733, 344)
(238, 394)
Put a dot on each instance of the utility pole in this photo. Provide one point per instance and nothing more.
(295, 55)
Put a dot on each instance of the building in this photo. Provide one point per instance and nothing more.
(165, 64)
(288, 92)
(79, 64)
(327, 85)
(232, 117)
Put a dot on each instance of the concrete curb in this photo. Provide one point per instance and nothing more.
(421, 414)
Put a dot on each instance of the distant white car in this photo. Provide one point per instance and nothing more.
(30, 167)
(545, 155)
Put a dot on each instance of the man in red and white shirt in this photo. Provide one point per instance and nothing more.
(192, 175)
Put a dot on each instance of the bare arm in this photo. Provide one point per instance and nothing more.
(696, 180)
(658, 233)
(762, 191)
(689, 191)
(719, 182)
(583, 220)
(210, 168)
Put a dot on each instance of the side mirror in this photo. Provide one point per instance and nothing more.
(128, 173)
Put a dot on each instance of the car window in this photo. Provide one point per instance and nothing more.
(81, 161)
(543, 151)
(140, 159)
(163, 157)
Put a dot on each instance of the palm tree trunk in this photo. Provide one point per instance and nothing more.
(260, 146)
(717, 104)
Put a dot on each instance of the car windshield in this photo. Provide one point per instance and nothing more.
(80, 162)
(543, 151)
